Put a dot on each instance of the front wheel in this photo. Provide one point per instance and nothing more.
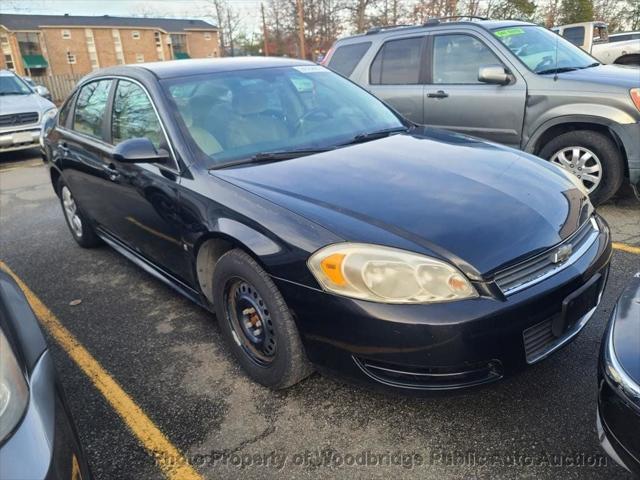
(592, 157)
(256, 322)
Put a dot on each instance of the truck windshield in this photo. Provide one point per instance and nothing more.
(543, 51)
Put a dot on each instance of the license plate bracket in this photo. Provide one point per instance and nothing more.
(22, 137)
(576, 306)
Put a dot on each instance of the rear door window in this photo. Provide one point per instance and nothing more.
(398, 62)
(91, 106)
(345, 59)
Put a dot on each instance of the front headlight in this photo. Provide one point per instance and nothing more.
(14, 392)
(635, 97)
(387, 275)
(51, 113)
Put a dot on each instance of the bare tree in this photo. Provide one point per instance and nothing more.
(229, 24)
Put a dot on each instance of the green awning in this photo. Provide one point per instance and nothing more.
(34, 61)
(182, 55)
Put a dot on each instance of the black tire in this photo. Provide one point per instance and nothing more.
(86, 237)
(289, 364)
(604, 148)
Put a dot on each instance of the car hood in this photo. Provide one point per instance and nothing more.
(480, 205)
(24, 103)
(614, 75)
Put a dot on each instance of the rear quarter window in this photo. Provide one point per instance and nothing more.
(345, 59)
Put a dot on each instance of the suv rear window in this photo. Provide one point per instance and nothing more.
(345, 58)
(398, 62)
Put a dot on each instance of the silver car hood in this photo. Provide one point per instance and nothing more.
(10, 104)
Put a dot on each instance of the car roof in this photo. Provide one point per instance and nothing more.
(188, 67)
(486, 24)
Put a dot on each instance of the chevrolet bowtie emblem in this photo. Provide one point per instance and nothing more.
(562, 254)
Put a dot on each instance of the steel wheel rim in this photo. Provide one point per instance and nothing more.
(582, 163)
(250, 322)
(71, 212)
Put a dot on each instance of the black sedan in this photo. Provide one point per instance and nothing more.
(618, 418)
(325, 230)
(38, 439)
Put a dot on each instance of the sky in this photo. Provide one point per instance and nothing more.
(248, 9)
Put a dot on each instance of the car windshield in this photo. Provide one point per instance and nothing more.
(543, 51)
(251, 114)
(11, 85)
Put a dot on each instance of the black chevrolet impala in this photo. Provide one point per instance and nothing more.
(323, 229)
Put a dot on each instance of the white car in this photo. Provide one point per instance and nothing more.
(22, 113)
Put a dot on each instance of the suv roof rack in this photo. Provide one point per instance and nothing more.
(429, 23)
(373, 30)
(437, 20)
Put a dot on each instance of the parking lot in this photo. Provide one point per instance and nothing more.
(189, 398)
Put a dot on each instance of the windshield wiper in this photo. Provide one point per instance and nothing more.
(557, 70)
(267, 157)
(13, 93)
(594, 64)
(365, 137)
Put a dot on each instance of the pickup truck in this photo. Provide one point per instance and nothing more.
(593, 38)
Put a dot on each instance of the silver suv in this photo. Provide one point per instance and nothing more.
(22, 113)
(511, 82)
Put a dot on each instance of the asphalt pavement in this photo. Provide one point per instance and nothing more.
(168, 356)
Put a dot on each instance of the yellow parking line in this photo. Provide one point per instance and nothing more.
(626, 248)
(169, 458)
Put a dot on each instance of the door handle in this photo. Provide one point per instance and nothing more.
(63, 148)
(438, 94)
(112, 172)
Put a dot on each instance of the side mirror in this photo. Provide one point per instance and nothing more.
(139, 150)
(494, 74)
(42, 91)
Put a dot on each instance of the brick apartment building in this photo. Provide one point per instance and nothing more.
(39, 45)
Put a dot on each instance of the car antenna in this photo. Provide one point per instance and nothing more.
(555, 77)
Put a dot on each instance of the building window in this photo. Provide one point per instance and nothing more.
(8, 60)
(28, 43)
(179, 43)
(66, 34)
(139, 57)
(207, 36)
(135, 35)
(117, 46)
(71, 58)
(91, 48)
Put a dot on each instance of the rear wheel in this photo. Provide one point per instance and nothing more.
(78, 223)
(256, 322)
(592, 157)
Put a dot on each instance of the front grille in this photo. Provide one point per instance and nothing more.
(14, 119)
(431, 378)
(536, 269)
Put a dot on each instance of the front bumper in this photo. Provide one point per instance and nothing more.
(442, 346)
(21, 139)
(45, 444)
